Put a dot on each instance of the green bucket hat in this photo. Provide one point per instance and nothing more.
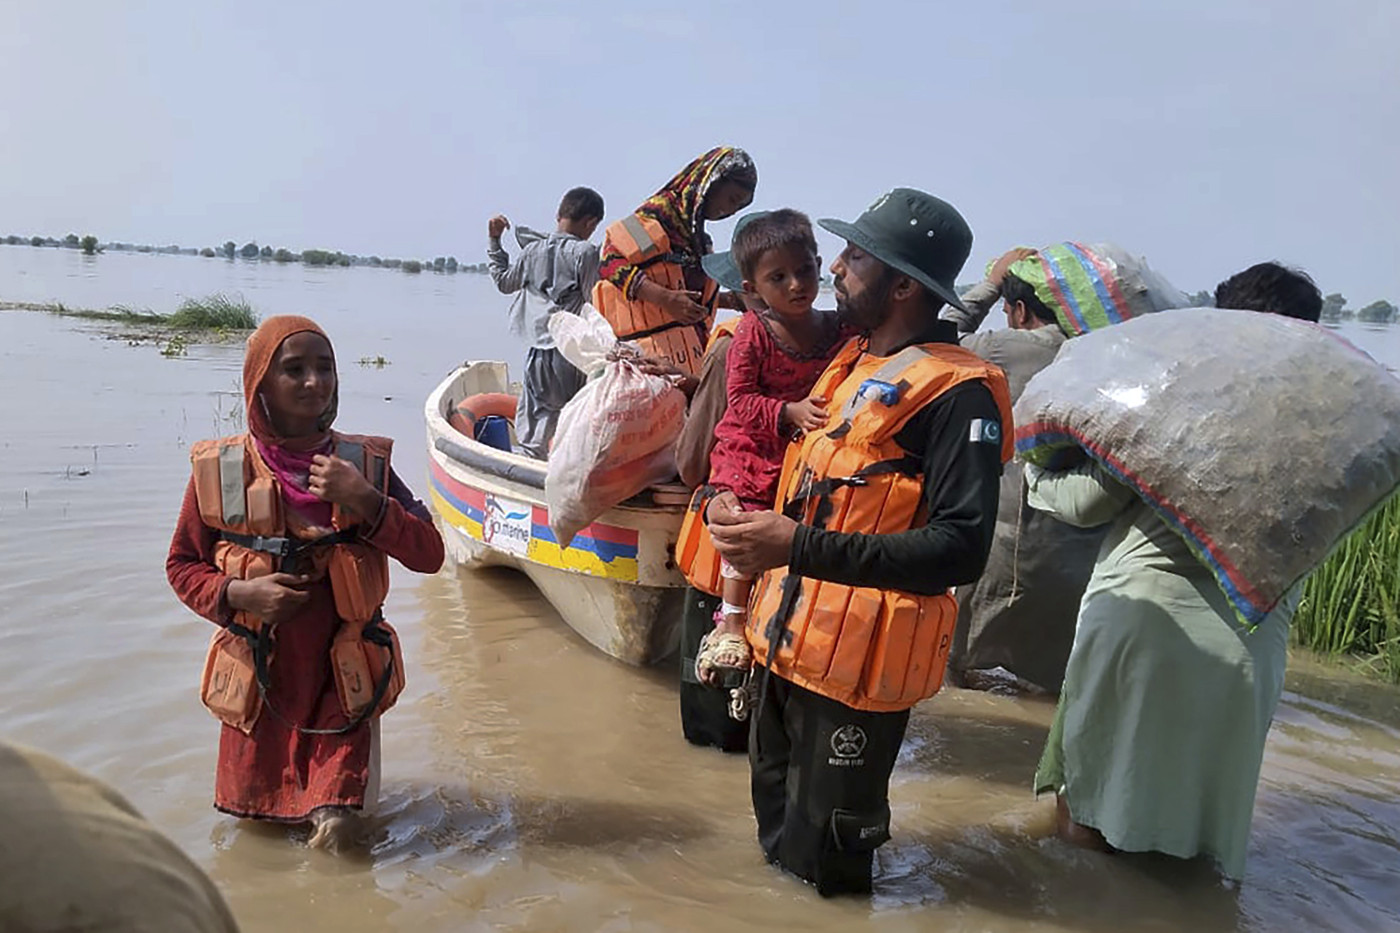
(920, 235)
(721, 266)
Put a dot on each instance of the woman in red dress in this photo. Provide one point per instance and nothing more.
(298, 756)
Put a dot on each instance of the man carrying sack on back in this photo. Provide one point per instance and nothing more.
(881, 513)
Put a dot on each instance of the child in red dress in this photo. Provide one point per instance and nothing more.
(775, 359)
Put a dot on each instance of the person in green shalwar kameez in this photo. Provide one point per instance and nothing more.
(1159, 734)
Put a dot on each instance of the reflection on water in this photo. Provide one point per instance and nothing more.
(531, 783)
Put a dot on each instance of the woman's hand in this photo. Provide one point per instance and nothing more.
(496, 226)
(656, 366)
(808, 414)
(682, 305)
(338, 481)
(686, 307)
(273, 598)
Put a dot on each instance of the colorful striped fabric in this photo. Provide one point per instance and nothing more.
(1086, 287)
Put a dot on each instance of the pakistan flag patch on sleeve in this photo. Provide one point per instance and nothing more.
(985, 431)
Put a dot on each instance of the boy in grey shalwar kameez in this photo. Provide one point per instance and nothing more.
(552, 273)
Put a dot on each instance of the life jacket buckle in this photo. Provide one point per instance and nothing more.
(277, 547)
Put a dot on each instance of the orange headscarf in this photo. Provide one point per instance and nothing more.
(262, 347)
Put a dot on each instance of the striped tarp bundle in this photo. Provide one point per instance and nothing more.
(1091, 287)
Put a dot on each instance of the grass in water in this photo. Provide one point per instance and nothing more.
(378, 362)
(1351, 604)
(216, 318)
(119, 314)
(214, 312)
(217, 313)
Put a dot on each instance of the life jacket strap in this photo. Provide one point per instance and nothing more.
(276, 546)
(823, 488)
(261, 643)
(819, 490)
(284, 547)
(653, 331)
(679, 260)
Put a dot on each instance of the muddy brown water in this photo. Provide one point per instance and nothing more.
(529, 782)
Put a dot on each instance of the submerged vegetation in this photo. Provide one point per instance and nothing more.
(1351, 604)
(216, 318)
(214, 312)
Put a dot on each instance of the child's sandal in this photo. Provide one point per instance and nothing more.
(723, 656)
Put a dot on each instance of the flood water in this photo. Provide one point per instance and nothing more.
(531, 783)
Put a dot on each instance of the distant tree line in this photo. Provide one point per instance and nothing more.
(1334, 306)
(1334, 309)
(252, 252)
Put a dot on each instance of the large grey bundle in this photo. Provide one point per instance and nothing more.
(1262, 440)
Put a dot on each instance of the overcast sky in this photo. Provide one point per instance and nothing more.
(1205, 134)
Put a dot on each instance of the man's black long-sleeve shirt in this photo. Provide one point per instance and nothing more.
(961, 484)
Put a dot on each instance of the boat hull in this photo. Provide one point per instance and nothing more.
(634, 624)
(616, 584)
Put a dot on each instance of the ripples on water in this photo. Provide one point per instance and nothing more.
(529, 782)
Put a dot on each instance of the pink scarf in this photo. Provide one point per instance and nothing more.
(293, 470)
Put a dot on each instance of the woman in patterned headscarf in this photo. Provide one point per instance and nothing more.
(652, 288)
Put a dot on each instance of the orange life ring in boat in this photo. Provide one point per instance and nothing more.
(470, 410)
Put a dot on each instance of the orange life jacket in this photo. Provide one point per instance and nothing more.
(239, 498)
(696, 556)
(871, 649)
(647, 248)
(724, 328)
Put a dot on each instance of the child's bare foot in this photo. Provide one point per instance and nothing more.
(333, 828)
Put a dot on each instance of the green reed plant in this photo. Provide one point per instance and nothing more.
(1351, 604)
(214, 312)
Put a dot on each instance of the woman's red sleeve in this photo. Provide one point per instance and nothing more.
(405, 531)
(190, 565)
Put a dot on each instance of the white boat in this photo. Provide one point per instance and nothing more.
(616, 584)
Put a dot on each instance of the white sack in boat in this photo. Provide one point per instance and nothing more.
(616, 437)
(587, 340)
